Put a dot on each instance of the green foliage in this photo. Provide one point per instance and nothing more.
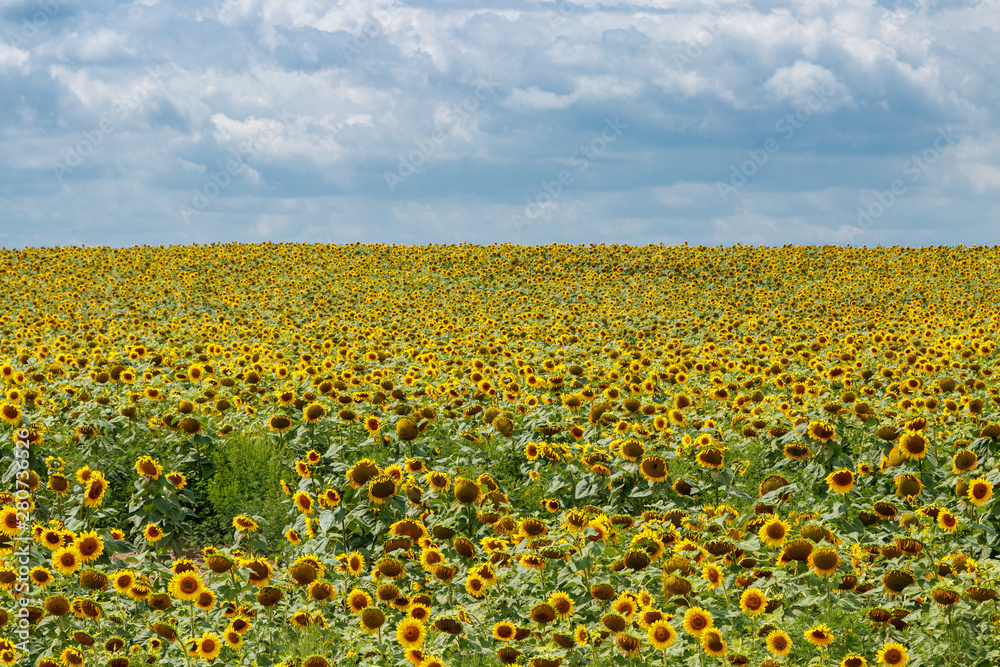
(247, 480)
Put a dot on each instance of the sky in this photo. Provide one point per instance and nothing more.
(499, 121)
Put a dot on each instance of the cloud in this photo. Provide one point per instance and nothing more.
(370, 120)
(802, 81)
(12, 57)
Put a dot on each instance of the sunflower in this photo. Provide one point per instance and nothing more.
(58, 484)
(896, 580)
(697, 620)
(466, 491)
(562, 603)
(152, 533)
(779, 643)
(355, 563)
(631, 449)
(185, 586)
(41, 576)
(712, 642)
(712, 575)
(964, 461)
(774, 532)
(908, 486)
(854, 660)
(330, 498)
(260, 571)
(146, 466)
(358, 599)
(504, 631)
(57, 605)
(70, 657)
(89, 545)
(206, 600)
(947, 521)
(10, 413)
(945, 596)
(840, 481)
(893, 654)
(312, 413)
(302, 469)
(66, 560)
(654, 469)
(381, 489)
(209, 646)
(123, 580)
(372, 425)
(177, 479)
(371, 619)
(821, 431)
(711, 457)
(244, 523)
(796, 451)
(913, 445)
(234, 640)
(661, 635)
(304, 502)
(9, 523)
(93, 496)
(410, 633)
(625, 605)
(753, 601)
(980, 491)
(362, 472)
(476, 587)
(818, 635)
(279, 423)
(628, 645)
(824, 561)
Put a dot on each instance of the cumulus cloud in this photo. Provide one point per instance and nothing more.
(740, 120)
(12, 57)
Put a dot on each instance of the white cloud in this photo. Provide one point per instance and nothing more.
(806, 83)
(12, 57)
(324, 125)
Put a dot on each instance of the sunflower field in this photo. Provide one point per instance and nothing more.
(309, 455)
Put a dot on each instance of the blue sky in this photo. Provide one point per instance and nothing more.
(763, 122)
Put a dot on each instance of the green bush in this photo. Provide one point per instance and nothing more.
(247, 480)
